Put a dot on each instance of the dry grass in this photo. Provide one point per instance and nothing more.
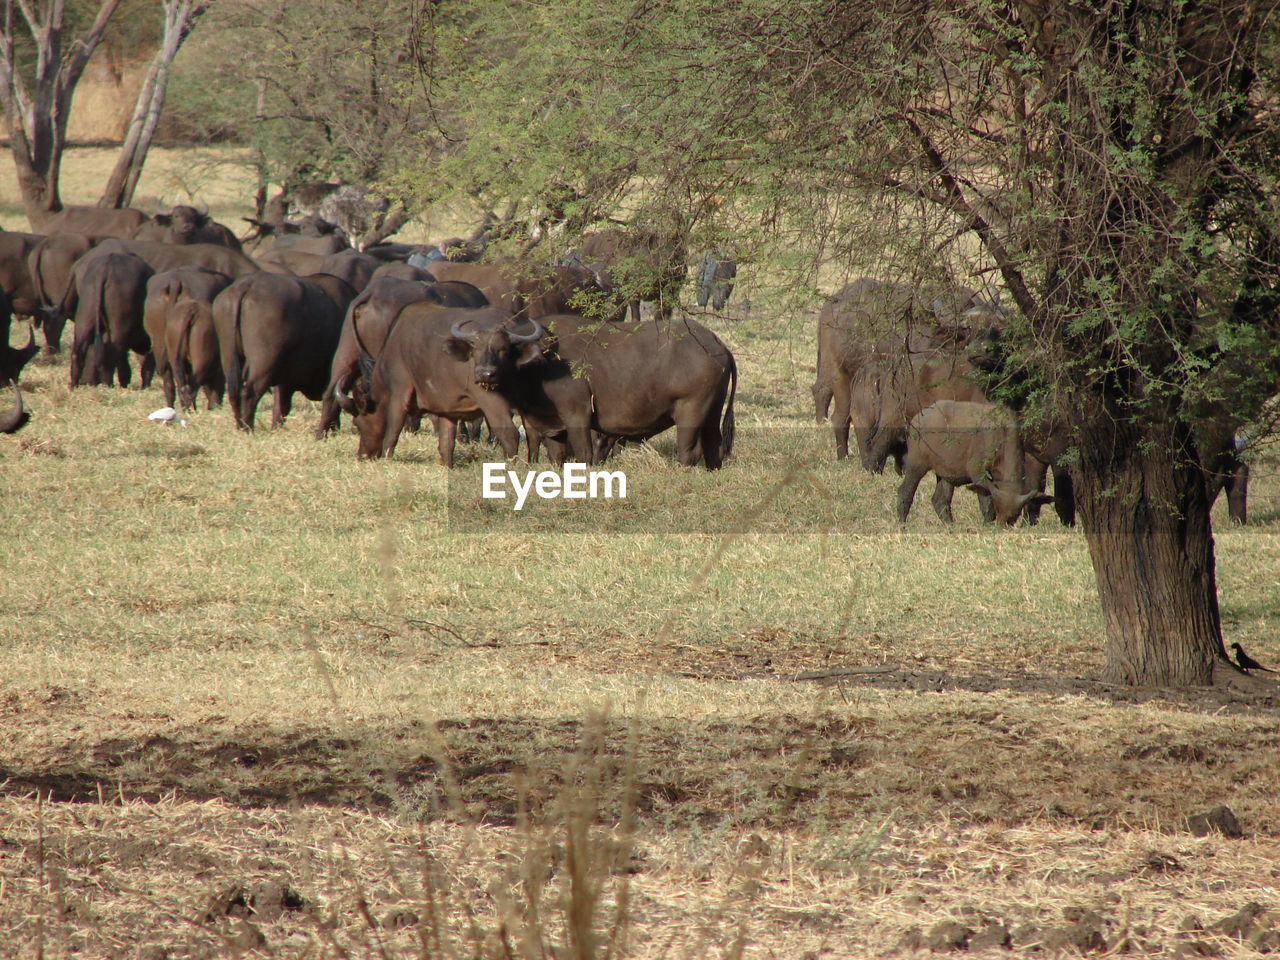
(233, 660)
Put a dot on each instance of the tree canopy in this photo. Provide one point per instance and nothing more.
(1111, 164)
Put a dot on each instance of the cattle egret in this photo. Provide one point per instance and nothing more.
(166, 415)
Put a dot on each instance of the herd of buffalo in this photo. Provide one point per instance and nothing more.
(398, 331)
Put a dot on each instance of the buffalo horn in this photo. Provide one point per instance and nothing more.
(456, 330)
(538, 333)
(13, 421)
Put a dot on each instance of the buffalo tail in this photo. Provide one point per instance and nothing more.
(727, 426)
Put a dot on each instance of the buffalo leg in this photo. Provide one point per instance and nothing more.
(712, 441)
(986, 506)
(533, 440)
(123, 371)
(283, 403)
(1064, 496)
(1238, 494)
(687, 445)
(250, 397)
(171, 388)
(446, 437)
(911, 478)
(943, 491)
(840, 415)
(822, 395)
(147, 372)
(52, 330)
(557, 452)
(329, 415)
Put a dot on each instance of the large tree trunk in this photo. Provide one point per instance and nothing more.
(1146, 518)
(36, 106)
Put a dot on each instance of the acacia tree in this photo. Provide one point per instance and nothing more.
(325, 91)
(1112, 162)
(37, 105)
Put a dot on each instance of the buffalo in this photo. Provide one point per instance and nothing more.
(111, 293)
(170, 256)
(875, 319)
(191, 342)
(95, 221)
(887, 394)
(166, 292)
(368, 321)
(716, 275)
(416, 372)
(977, 444)
(15, 274)
(642, 265)
(49, 265)
(310, 234)
(277, 332)
(186, 224)
(356, 268)
(622, 380)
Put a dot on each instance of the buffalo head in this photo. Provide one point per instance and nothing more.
(494, 354)
(180, 224)
(358, 402)
(1008, 498)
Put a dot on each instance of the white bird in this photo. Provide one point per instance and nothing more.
(167, 416)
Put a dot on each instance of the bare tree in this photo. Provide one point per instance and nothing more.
(180, 17)
(36, 108)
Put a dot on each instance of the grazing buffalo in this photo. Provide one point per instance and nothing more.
(165, 291)
(111, 291)
(15, 274)
(277, 332)
(15, 419)
(186, 224)
(887, 393)
(368, 321)
(623, 380)
(716, 275)
(50, 264)
(643, 265)
(416, 373)
(977, 444)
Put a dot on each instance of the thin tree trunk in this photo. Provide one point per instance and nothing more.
(179, 17)
(1146, 518)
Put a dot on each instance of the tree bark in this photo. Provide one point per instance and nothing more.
(37, 108)
(1145, 515)
(179, 17)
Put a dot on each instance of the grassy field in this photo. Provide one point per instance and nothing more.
(261, 699)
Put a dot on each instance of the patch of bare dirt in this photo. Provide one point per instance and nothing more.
(983, 761)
